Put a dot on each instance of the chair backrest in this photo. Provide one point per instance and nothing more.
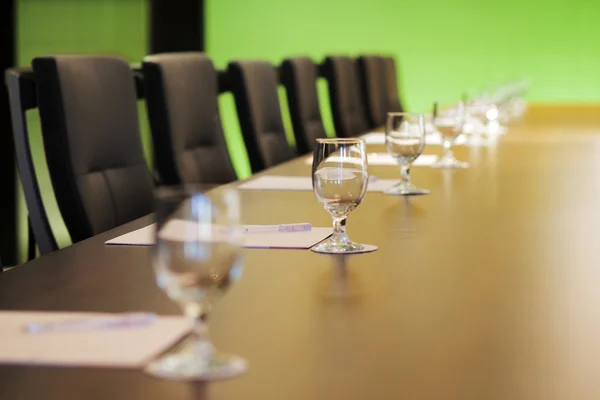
(299, 76)
(182, 92)
(391, 84)
(22, 95)
(92, 140)
(254, 86)
(373, 85)
(347, 104)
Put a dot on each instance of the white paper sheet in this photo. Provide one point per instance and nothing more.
(431, 139)
(303, 183)
(129, 347)
(274, 182)
(287, 240)
(140, 237)
(181, 230)
(424, 160)
(374, 138)
(435, 139)
(381, 185)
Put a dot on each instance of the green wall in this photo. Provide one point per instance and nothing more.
(444, 47)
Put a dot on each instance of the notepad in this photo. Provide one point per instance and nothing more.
(374, 138)
(379, 159)
(303, 183)
(274, 182)
(424, 160)
(185, 230)
(435, 139)
(130, 347)
(431, 139)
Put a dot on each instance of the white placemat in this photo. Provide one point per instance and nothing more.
(379, 159)
(430, 139)
(180, 230)
(120, 347)
(303, 183)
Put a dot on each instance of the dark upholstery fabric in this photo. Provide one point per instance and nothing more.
(92, 141)
(347, 104)
(254, 85)
(391, 84)
(373, 84)
(182, 100)
(299, 76)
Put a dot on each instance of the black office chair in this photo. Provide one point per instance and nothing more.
(373, 85)
(347, 103)
(254, 86)
(92, 141)
(22, 95)
(394, 104)
(299, 77)
(182, 92)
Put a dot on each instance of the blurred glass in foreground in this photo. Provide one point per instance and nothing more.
(196, 259)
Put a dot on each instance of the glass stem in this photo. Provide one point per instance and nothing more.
(448, 155)
(339, 230)
(405, 174)
(198, 314)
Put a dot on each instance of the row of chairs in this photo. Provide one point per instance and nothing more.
(90, 128)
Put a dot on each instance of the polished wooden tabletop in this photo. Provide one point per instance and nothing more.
(488, 288)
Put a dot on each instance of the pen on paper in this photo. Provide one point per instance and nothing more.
(303, 227)
(89, 324)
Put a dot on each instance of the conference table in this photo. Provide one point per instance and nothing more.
(488, 288)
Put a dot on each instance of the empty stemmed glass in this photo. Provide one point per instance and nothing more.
(405, 141)
(449, 123)
(340, 178)
(196, 259)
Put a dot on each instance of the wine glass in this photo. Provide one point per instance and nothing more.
(196, 259)
(473, 123)
(449, 123)
(340, 178)
(489, 110)
(405, 141)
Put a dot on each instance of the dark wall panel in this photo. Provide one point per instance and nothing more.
(7, 161)
(176, 25)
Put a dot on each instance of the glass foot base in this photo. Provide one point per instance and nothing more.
(406, 190)
(343, 246)
(354, 249)
(450, 163)
(190, 367)
(330, 246)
